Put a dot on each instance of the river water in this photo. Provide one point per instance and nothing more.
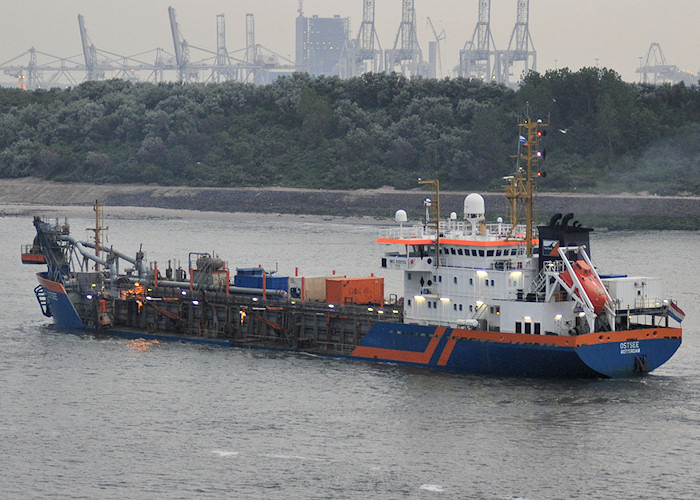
(86, 417)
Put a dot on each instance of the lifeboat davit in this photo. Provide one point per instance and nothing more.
(592, 286)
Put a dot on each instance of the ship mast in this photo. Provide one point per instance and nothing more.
(98, 230)
(520, 186)
(432, 213)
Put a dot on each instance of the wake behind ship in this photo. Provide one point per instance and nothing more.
(495, 298)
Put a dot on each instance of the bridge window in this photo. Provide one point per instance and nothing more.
(481, 253)
(459, 251)
(473, 253)
(489, 253)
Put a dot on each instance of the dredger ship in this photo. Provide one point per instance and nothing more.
(504, 298)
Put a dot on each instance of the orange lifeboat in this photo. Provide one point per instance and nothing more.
(591, 285)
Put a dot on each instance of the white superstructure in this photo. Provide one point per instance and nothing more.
(464, 273)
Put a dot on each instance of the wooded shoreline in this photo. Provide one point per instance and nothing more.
(619, 211)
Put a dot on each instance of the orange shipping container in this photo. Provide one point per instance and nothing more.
(355, 290)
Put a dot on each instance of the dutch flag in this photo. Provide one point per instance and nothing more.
(675, 312)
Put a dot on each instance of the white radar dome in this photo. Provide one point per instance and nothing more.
(473, 206)
(453, 216)
(400, 216)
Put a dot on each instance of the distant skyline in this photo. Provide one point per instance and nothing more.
(565, 33)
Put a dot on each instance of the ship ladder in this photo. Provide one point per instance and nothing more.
(43, 301)
(539, 283)
(479, 312)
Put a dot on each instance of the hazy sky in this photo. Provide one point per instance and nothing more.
(574, 33)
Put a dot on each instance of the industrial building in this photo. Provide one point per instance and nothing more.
(320, 42)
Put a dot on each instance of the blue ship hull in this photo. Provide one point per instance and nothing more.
(609, 354)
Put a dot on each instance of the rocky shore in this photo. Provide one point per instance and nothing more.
(381, 203)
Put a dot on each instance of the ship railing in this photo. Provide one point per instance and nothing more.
(464, 229)
(456, 229)
(553, 267)
(640, 305)
(406, 233)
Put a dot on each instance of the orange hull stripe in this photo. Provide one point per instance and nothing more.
(553, 340)
(447, 352)
(51, 286)
(422, 358)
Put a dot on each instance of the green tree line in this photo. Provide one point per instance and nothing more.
(367, 132)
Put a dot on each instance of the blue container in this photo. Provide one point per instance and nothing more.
(256, 281)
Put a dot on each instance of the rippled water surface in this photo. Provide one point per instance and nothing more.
(86, 417)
